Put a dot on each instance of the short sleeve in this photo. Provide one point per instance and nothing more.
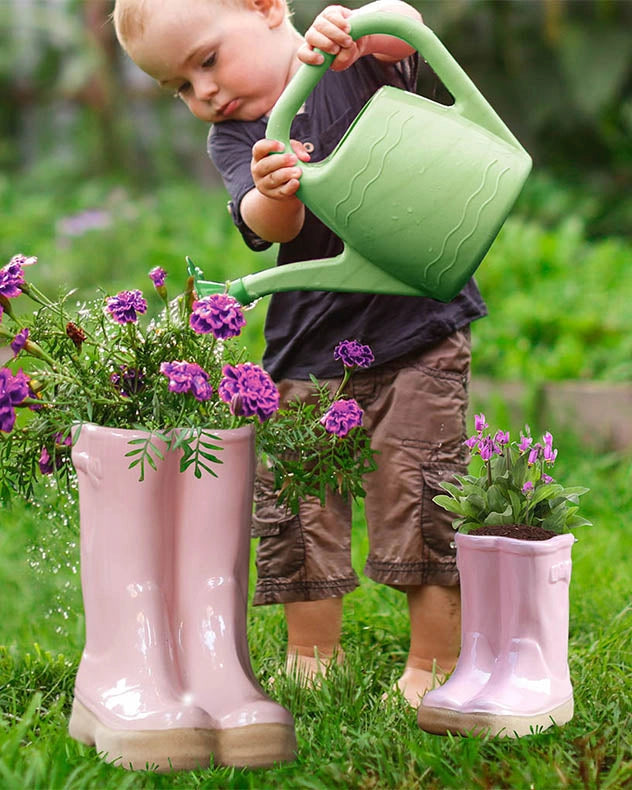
(230, 149)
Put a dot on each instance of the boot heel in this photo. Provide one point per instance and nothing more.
(82, 724)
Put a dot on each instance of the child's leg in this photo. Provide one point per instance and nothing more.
(304, 562)
(415, 409)
(313, 636)
(435, 632)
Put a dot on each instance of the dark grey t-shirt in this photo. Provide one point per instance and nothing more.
(303, 327)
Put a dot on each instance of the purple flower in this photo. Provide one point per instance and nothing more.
(84, 221)
(12, 276)
(527, 488)
(480, 423)
(1, 312)
(471, 442)
(353, 354)
(19, 341)
(13, 390)
(548, 452)
(125, 305)
(342, 416)
(534, 453)
(217, 314)
(158, 276)
(46, 464)
(501, 438)
(525, 443)
(487, 448)
(187, 377)
(547, 478)
(128, 381)
(259, 395)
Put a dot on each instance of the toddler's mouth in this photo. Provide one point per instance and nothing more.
(228, 108)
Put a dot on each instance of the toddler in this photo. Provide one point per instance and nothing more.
(229, 61)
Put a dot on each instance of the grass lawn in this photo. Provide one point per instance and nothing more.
(347, 736)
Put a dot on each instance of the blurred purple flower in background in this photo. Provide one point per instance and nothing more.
(84, 221)
(342, 416)
(259, 395)
(217, 314)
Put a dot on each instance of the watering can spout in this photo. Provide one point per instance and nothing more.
(341, 273)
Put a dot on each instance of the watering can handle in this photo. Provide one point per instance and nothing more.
(468, 101)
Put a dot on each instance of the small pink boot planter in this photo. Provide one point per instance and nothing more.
(477, 561)
(212, 518)
(529, 686)
(146, 572)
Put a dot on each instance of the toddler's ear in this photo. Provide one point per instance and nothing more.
(274, 11)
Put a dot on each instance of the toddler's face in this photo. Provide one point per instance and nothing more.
(224, 62)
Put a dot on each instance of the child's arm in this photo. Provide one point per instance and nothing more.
(329, 32)
(271, 210)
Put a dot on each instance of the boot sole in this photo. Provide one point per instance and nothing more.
(252, 746)
(441, 721)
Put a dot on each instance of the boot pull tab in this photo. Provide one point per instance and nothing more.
(560, 572)
(89, 466)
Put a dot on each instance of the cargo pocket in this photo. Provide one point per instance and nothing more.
(281, 549)
(436, 523)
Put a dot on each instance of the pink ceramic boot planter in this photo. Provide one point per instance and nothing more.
(477, 561)
(529, 685)
(212, 521)
(129, 702)
(133, 700)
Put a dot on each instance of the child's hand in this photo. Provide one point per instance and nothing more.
(330, 33)
(277, 175)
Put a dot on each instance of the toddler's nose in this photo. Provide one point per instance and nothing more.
(204, 88)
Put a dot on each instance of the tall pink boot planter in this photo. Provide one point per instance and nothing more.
(165, 679)
(523, 649)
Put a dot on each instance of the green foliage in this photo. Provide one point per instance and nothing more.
(512, 486)
(558, 305)
(328, 461)
(83, 366)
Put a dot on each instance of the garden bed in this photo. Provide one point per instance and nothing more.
(599, 412)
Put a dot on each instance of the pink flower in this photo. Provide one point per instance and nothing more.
(480, 423)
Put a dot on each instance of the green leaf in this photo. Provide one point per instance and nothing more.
(546, 491)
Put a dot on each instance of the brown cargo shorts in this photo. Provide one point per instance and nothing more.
(414, 409)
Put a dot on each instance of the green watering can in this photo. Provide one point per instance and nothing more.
(416, 190)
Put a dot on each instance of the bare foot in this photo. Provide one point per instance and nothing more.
(309, 670)
(414, 683)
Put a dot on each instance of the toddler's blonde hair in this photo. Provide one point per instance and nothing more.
(129, 16)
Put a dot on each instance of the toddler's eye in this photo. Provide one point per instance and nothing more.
(182, 89)
(210, 61)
